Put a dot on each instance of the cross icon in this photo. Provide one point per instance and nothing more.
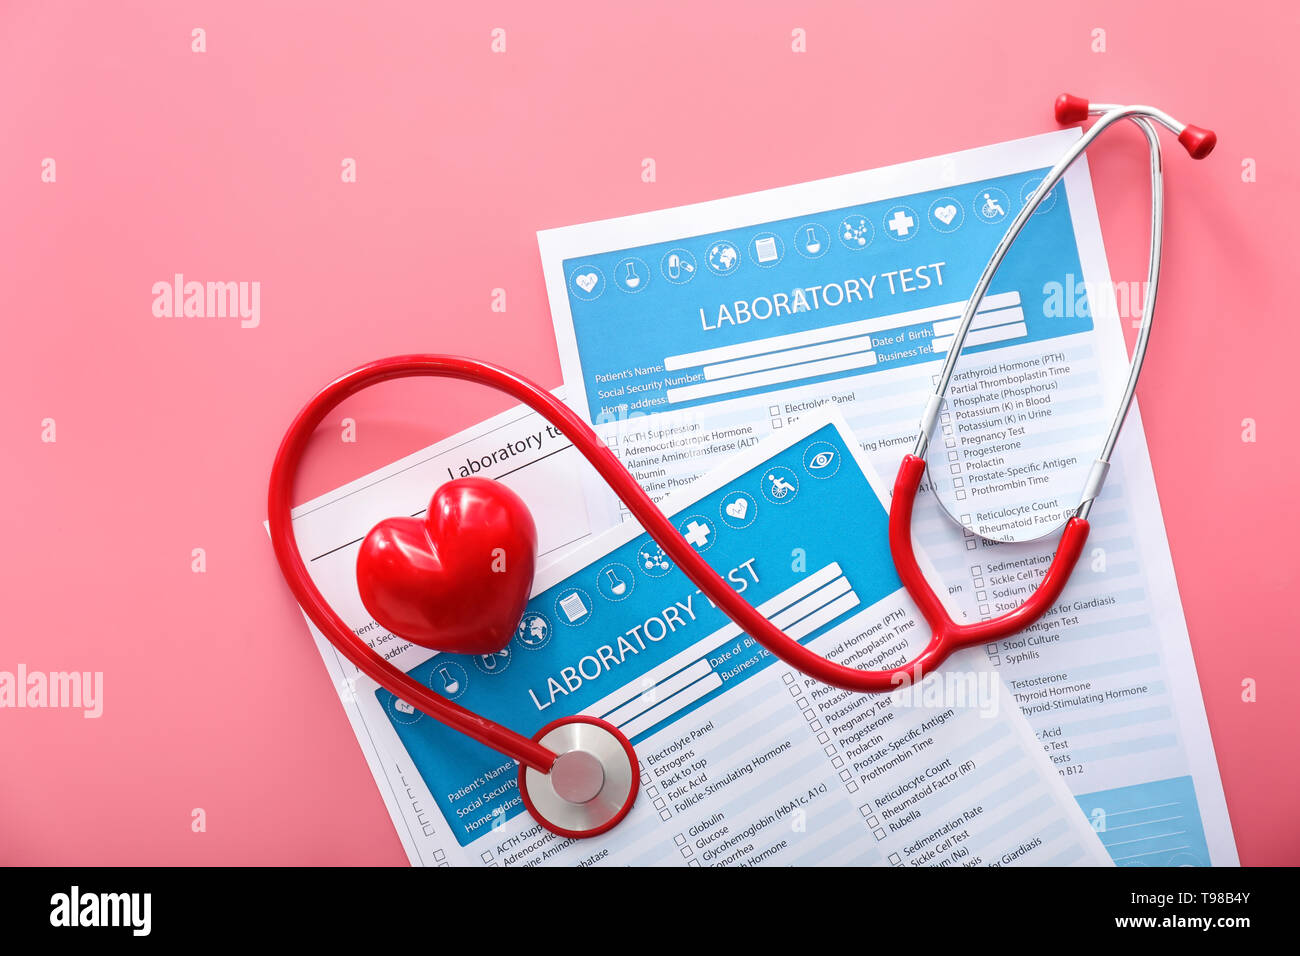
(902, 223)
(697, 534)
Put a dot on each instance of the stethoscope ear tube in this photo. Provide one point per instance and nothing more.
(946, 635)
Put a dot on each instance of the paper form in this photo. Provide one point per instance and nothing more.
(687, 333)
(743, 761)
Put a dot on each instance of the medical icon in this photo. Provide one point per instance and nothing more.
(491, 664)
(855, 232)
(678, 266)
(901, 223)
(615, 581)
(811, 240)
(401, 712)
(631, 274)
(587, 282)
(1048, 202)
(724, 257)
(534, 631)
(767, 249)
(738, 509)
(946, 214)
(448, 678)
(573, 606)
(652, 559)
(780, 485)
(991, 204)
(821, 459)
(698, 531)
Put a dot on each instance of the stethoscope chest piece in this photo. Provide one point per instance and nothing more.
(592, 784)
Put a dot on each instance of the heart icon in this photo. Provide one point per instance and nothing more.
(738, 508)
(946, 214)
(587, 281)
(458, 579)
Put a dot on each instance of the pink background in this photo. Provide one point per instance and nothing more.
(226, 166)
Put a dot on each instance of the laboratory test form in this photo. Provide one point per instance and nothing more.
(688, 334)
(743, 760)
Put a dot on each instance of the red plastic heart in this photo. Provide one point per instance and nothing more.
(458, 579)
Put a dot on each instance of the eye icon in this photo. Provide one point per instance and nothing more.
(821, 460)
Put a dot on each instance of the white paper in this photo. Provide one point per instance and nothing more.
(943, 774)
(682, 337)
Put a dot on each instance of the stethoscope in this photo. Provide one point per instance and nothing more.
(578, 776)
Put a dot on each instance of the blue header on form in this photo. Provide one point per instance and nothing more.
(637, 308)
(603, 629)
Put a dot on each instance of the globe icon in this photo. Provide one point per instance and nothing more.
(723, 256)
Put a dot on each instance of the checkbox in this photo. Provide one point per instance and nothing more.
(960, 495)
(652, 791)
(995, 660)
(991, 648)
(959, 482)
(487, 856)
(851, 787)
(845, 775)
(688, 852)
(680, 839)
(829, 751)
(865, 809)
(802, 702)
(661, 804)
(794, 691)
(665, 815)
(967, 533)
(954, 469)
(879, 834)
(774, 411)
(809, 715)
(444, 863)
(971, 544)
(934, 379)
(947, 429)
(645, 778)
(440, 854)
(816, 724)
(975, 571)
(692, 862)
(776, 423)
(978, 582)
(965, 519)
(945, 418)
(823, 738)
(952, 456)
(788, 678)
(872, 821)
(837, 762)
(984, 609)
(981, 595)
(895, 859)
(950, 443)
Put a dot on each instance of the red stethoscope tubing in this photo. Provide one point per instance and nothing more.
(946, 635)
